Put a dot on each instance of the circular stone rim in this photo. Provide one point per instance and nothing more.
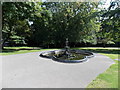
(66, 61)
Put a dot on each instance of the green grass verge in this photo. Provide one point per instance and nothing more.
(112, 56)
(108, 79)
(20, 50)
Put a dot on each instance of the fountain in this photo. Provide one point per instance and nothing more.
(67, 49)
(68, 55)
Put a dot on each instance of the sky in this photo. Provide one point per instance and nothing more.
(82, 0)
(106, 5)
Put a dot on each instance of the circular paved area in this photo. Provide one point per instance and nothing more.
(31, 71)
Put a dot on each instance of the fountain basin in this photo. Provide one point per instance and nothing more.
(76, 56)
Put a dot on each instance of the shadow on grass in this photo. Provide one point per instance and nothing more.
(9, 50)
(14, 50)
(106, 51)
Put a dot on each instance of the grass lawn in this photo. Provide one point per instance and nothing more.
(108, 79)
(20, 50)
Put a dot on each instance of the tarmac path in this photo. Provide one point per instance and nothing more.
(29, 70)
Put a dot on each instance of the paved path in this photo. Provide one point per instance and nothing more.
(31, 71)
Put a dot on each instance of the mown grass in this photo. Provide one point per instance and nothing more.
(112, 56)
(20, 50)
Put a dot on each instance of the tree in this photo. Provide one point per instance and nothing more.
(14, 12)
(110, 25)
(60, 20)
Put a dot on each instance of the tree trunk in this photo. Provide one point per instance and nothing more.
(7, 37)
(1, 44)
(48, 45)
(103, 45)
(1, 47)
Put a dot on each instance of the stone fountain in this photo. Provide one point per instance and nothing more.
(68, 55)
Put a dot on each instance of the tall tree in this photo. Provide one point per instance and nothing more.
(74, 20)
(12, 13)
(110, 25)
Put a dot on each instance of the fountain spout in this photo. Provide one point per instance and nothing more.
(67, 48)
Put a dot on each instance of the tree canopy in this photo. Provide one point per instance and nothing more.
(41, 24)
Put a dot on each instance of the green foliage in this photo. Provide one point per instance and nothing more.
(15, 17)
(110, 25)
(76, 21)
(53, 22)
